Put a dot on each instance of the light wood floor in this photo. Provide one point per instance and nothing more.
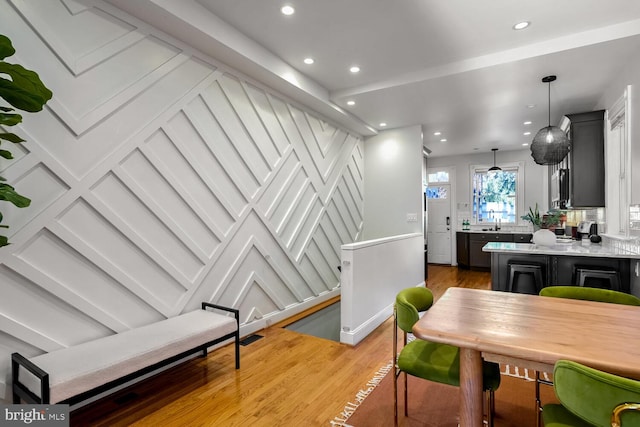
(285, 378)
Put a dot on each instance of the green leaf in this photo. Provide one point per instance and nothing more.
(22, 89)
(10, 119)
(9, 194)
(11, 137)
(6, 48)
(25, 90)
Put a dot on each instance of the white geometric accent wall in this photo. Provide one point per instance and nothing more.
(160, 179)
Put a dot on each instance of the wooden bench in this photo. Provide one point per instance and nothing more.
(73, 374)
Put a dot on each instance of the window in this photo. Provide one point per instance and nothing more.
(437, 184)
(439, 176)
(437, 192)
(495, 195)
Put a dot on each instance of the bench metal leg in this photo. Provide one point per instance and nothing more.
(237, 344)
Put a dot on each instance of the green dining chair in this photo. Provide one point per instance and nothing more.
(428, 360)
(590, 294)
(589, 397)
(581, 293)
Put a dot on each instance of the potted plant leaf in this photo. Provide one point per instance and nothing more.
(533, 216)
(23, 90)
(552, 218)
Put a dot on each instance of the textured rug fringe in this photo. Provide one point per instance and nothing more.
(524, 373)
(341, 419)
(517, 372)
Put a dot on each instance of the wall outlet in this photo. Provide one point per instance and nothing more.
(412, 217)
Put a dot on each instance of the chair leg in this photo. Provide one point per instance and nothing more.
(406, 410)
(395, 367)
(395, 398)
(538, 399)
(491, 407)
(538, 404)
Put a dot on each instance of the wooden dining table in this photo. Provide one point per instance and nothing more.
(529, 331)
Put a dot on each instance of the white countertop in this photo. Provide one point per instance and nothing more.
(573, 249)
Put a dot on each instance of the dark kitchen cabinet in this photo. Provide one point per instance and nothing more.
(462, 249)
(469, 247)
(522, 237)
(478, 258)
(586, 183)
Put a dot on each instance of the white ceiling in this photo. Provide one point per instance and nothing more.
(453, 66)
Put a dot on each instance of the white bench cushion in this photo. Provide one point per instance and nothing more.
(80, 368)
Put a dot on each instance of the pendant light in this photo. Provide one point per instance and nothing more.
(550, 145)
(494, 168)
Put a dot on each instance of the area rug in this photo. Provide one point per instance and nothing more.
(432, 404)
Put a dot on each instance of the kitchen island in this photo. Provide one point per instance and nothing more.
(526, 268)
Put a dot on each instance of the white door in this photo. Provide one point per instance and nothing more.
(440, 223)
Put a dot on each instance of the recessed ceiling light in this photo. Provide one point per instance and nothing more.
(521, 25)
(437, 133)
(354, 69)
(531, 106)
(443, 140)
(309, 61)
(383, 124)
(524, 144)
(287, 10)
(528, 122)
(351, 103)
(527, 133)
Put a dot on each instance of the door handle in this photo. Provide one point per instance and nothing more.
(448, 221)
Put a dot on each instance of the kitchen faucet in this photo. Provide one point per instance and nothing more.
(492, 215)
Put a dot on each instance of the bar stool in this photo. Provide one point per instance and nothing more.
(586, 277)
(532, 271)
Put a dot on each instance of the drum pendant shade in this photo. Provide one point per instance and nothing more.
(550, 145)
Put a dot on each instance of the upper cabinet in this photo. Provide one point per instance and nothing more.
(586, 164)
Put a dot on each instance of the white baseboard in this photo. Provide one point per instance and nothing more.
(355, 336)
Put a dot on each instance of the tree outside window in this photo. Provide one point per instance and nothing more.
(495, 196)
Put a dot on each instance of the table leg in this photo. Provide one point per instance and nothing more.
(470, 388)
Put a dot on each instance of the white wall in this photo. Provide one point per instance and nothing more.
(393, 183)
(159, 179)
(535, 176)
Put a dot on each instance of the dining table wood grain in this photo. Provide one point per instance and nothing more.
(529, 330)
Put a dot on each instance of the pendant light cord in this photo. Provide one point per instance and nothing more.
(549, 98)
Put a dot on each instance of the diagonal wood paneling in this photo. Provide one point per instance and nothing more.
(161, 179)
